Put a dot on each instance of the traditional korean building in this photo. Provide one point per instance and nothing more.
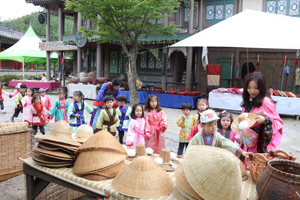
(183, 65)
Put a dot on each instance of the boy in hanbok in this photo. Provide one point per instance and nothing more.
(186, 122)
(209, 135)
(60, 107)
(17, 90)
(45, 101)
(108, 119)
(1, 98)
(37, 114)
(124, 112)
(76, 111)
(156, 124)
(18, 103)
(136, 129)
(26, 102)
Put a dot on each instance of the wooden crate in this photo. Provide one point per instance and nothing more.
(15, 141)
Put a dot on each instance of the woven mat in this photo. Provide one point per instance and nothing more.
(104, 187)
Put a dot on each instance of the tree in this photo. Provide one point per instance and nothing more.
(126, 20)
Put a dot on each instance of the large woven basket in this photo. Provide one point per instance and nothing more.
(15, 141)
(258, 162)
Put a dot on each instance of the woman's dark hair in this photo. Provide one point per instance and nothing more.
(224, 114)
(122, 98)
(109, 93)
(23, 85)
(133, 116)
(32, 90)
(186, 106)
(34, 97)
(261, 86)
(116, 82)
(108, 98)
(62, 91)
(79, 94)
(44, 75)
(147, 104)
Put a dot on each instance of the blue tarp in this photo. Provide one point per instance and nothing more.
(166, 100)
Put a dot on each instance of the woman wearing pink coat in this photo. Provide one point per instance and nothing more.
(156, 123)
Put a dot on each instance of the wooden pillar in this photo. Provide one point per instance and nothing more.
(191, 18)
(99, 60)
(200, 15)
(106, 63)
(0, 61)
(74, 20)
(31, 66)
(74, 62)
(63, 24)
(48, 25)
(79, 61)
(164, 73)
(188, 83)
(60, 23)
(88, 54)
(48, 65)
(79, 20)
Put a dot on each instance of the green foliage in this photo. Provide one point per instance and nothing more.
(8, 77)
(24, 22)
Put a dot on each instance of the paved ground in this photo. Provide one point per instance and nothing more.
(14, 188)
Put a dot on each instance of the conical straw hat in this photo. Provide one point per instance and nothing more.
(111, 171)
(83, 133)
(102, 140)
(95, 160)
(143, 178)
(184, 193)
(140, 151)
(165, 155)
(184, 184)
(178, 195)
(214, 173)
(60, 132)
(250, 117)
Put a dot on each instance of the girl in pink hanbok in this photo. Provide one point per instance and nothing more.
(156, 123)
(136, 128)
(45, 101)
(26, 102)
(268, 126)
(224, 125)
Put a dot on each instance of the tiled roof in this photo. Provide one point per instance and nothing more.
(10, 33)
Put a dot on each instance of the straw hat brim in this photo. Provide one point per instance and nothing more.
(178, 195)
(54, 165)
(59, 138)
(95, 160)
(94, 177)
(111, 171)
(184, 193)
(54, 154)
(102, 140)
(66, 146)
(252, 121)
(213, 173)
(143, 178)
(184, 184)
(48, 160)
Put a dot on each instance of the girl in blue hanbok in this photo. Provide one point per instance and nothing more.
(76, 111)
(60, 107)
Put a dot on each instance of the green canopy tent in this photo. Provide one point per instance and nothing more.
(27, 50)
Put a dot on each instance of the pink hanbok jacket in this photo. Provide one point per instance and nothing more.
(155, 130)
(14, 93)
(26, 102)
(47, 105)
(136, 132)
(36, 115)
(196, 129)
(269, 109)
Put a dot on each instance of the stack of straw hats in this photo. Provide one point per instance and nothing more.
(165, 161)
(83, 133)
(210, 173)
(56, 149)
(143, 178)
(100, 157)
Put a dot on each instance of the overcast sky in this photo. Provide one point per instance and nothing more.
(12, 9)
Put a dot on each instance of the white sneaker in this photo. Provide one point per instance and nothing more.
(3, 111)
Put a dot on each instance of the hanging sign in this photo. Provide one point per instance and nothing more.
(42, 18)
(56, 46)
(80, 40)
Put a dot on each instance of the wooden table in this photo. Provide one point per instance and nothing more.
(237, 80)
(33, 84)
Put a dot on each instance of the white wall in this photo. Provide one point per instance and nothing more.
(253, 5)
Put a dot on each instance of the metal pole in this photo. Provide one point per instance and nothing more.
(36, 70)
(231, 64)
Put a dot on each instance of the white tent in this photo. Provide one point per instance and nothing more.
(249, 29)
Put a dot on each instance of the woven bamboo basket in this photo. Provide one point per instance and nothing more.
(15, 141)
(258, 162)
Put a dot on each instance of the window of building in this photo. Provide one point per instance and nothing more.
(283, 7)
(149, 63)
(218, 10)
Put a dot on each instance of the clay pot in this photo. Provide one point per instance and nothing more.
(171, 92)
(162, 91)
(82, 74)
(92, 76)
(194, 93)
(156, 90)
(280, 180)
(101, 80)
(85, 80)
(95, 82)
(74, 79)
(181, 93)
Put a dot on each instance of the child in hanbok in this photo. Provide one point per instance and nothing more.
(202, 105)
(16, 91)
(224, 125)
(136, 129)
(60, 107)
(186, 122)
(108, 119)
(18, 103)
(156, 123)
(268, 126)
(1, 98)
(45, 102)
(124, 113)
(196, 129)
(37, 114)
(76, 111)
(26, 102)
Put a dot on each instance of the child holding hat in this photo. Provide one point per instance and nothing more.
(210, 136)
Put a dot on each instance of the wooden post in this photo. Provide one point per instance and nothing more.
(188, 83)
(200, 15)
(99, 60)
(106, 63)
(48, 65)
(60, 23)
(74, 62)
(48, 68)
